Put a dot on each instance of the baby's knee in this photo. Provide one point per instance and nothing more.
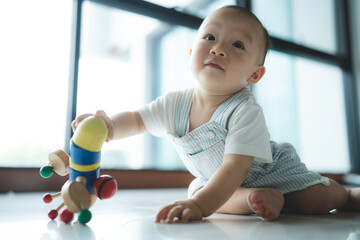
(195, 186)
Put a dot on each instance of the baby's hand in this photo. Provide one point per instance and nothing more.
(101, 114)
(185, 210)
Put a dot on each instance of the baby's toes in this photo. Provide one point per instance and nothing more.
(266, 214)
(259, 208)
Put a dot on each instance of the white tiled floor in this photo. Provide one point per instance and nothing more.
(24, 216)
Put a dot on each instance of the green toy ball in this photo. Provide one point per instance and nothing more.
(46, 171)
(84, 216)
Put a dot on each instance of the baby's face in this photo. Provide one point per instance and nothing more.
(227, 51)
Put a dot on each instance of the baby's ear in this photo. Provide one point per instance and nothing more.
(257, 75)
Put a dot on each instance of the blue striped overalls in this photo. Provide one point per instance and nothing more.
(202, 151)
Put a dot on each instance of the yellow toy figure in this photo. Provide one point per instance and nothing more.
(83, 166)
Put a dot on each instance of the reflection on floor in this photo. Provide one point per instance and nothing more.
(24, 216)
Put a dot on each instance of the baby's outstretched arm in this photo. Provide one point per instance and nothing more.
(213, 195)
(121, 125)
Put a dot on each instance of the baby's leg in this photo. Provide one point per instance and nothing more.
(353, 201)
(320, 199)
(265, 202)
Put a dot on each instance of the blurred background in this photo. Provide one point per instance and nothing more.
(131, 52)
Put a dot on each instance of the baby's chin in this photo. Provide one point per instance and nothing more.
(216, 90)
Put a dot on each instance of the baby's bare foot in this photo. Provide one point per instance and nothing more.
(353, 202)
(266, 202)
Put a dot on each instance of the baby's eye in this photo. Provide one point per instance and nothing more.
(239, 45)
(210, 37)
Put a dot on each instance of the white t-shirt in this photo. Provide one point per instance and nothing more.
(247, 131)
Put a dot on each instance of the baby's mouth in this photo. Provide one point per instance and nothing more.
(214, 64)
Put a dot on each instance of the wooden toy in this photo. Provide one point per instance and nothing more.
(85, 184)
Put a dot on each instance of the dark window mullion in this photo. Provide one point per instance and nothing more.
(244, 3)
(74, 70)
(351, 110)
(306, 52)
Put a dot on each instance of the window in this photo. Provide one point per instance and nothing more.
(305, 22)
(302, 93)
(196, 7)
(127, 58)
(303, 102)
(173, 44)
(112, 73)
(122, 66)
(34, 64)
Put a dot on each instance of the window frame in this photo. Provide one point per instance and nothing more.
(342, 58)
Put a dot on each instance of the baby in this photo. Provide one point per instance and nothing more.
(220, 132)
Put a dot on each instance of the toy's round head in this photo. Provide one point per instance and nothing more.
(105, 187)
(91, 134)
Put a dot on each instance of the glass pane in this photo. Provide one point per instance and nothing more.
(174, 75)
(34, 60)
(126, 61)
(199, 8)
(303, 103)
(172, 4)
(306, 22)
(120, 72)
(112, 73)
(204, 8)
(175, 61)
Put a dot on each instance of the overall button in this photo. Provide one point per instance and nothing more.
(211, 134)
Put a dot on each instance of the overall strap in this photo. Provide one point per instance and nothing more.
(182, 106)
(225, 110)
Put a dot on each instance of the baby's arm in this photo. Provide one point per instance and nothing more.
(121, 125)
(213, 195)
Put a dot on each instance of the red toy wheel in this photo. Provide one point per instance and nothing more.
(66, 216)
(105, 187)
(47, 198)
(53, 214)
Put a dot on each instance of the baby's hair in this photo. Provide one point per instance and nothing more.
(254, 17)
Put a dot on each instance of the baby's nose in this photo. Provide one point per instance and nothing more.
(218, 51)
